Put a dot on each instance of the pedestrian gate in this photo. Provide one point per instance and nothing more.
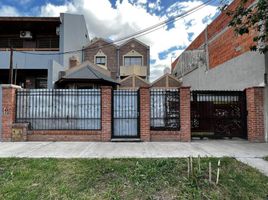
(125, 114)
(218, 114)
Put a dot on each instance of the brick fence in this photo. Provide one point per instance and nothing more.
(19, 131)
(255, 119)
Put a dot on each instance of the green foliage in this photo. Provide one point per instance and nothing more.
(246, 18)
(127, 179)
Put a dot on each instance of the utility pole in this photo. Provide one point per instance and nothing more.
(11, 67)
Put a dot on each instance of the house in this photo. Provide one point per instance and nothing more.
(39, 44)
(220, 60)
(128, 58)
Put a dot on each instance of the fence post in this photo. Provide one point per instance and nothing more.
(8, 110)
(106, 113)
(255, 118)
(185, 112)
(145, 114)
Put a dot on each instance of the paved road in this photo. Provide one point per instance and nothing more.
(244, 151)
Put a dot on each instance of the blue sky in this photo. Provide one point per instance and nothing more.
(118, 18)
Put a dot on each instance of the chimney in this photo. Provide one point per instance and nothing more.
(73, 61)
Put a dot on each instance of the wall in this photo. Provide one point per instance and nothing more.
(244, 71)
(231, 64)
(73, 36)
(223, 43)
(28, 61)
(111, 55)
(53, 74)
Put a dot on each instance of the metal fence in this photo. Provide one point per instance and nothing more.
(218, 113)
(165, 109)
(59, 109)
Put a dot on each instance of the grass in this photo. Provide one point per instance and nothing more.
(266, 158)
(127, 179)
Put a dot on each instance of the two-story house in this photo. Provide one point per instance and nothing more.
(41, 46)
(127, 59)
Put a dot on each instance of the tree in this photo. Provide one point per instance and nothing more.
(248, 17)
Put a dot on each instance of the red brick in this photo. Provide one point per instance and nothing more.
(255, 118)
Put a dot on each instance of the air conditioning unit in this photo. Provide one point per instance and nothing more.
(26, 34)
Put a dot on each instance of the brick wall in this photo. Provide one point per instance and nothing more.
(133, 45)
(255, 118)
(223, 43)
(8, 111)
(145, 104)
(108, 49)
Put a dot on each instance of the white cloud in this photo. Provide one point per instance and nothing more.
(8, 11)
(126, 18)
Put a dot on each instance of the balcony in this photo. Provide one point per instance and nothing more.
(134, 69)
(28, 61)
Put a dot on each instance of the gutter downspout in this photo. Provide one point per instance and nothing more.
(118, 64)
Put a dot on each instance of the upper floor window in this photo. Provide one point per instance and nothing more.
(100, 60)
(132, 60)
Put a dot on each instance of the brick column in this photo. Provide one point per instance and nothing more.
(145, 114)
(8, 110)
(106, 113)
(255, 118)
(185, 112)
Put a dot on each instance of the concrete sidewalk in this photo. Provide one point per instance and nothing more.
(242, 150)
(213, 148)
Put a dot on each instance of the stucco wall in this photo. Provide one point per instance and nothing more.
(28, 61)
(244, 71)
(73, 36)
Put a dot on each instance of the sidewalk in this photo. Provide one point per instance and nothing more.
(242, 150)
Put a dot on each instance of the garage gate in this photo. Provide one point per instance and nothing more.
(218, 114)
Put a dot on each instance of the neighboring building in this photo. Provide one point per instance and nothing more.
(131, 57)
(39, 43)
(220, 60)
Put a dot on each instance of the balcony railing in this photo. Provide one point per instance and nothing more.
(134, 69)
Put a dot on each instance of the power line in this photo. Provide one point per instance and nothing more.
(134, 35)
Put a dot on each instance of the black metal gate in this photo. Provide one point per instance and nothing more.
(218, 114)
(125, 114)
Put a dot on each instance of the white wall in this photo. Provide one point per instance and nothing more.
(73, 36)
(244, 71)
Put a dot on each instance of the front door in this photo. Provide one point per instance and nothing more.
(125, 114)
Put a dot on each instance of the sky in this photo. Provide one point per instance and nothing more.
(114, 19)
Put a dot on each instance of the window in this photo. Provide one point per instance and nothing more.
(132, 60)
(100, 60)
